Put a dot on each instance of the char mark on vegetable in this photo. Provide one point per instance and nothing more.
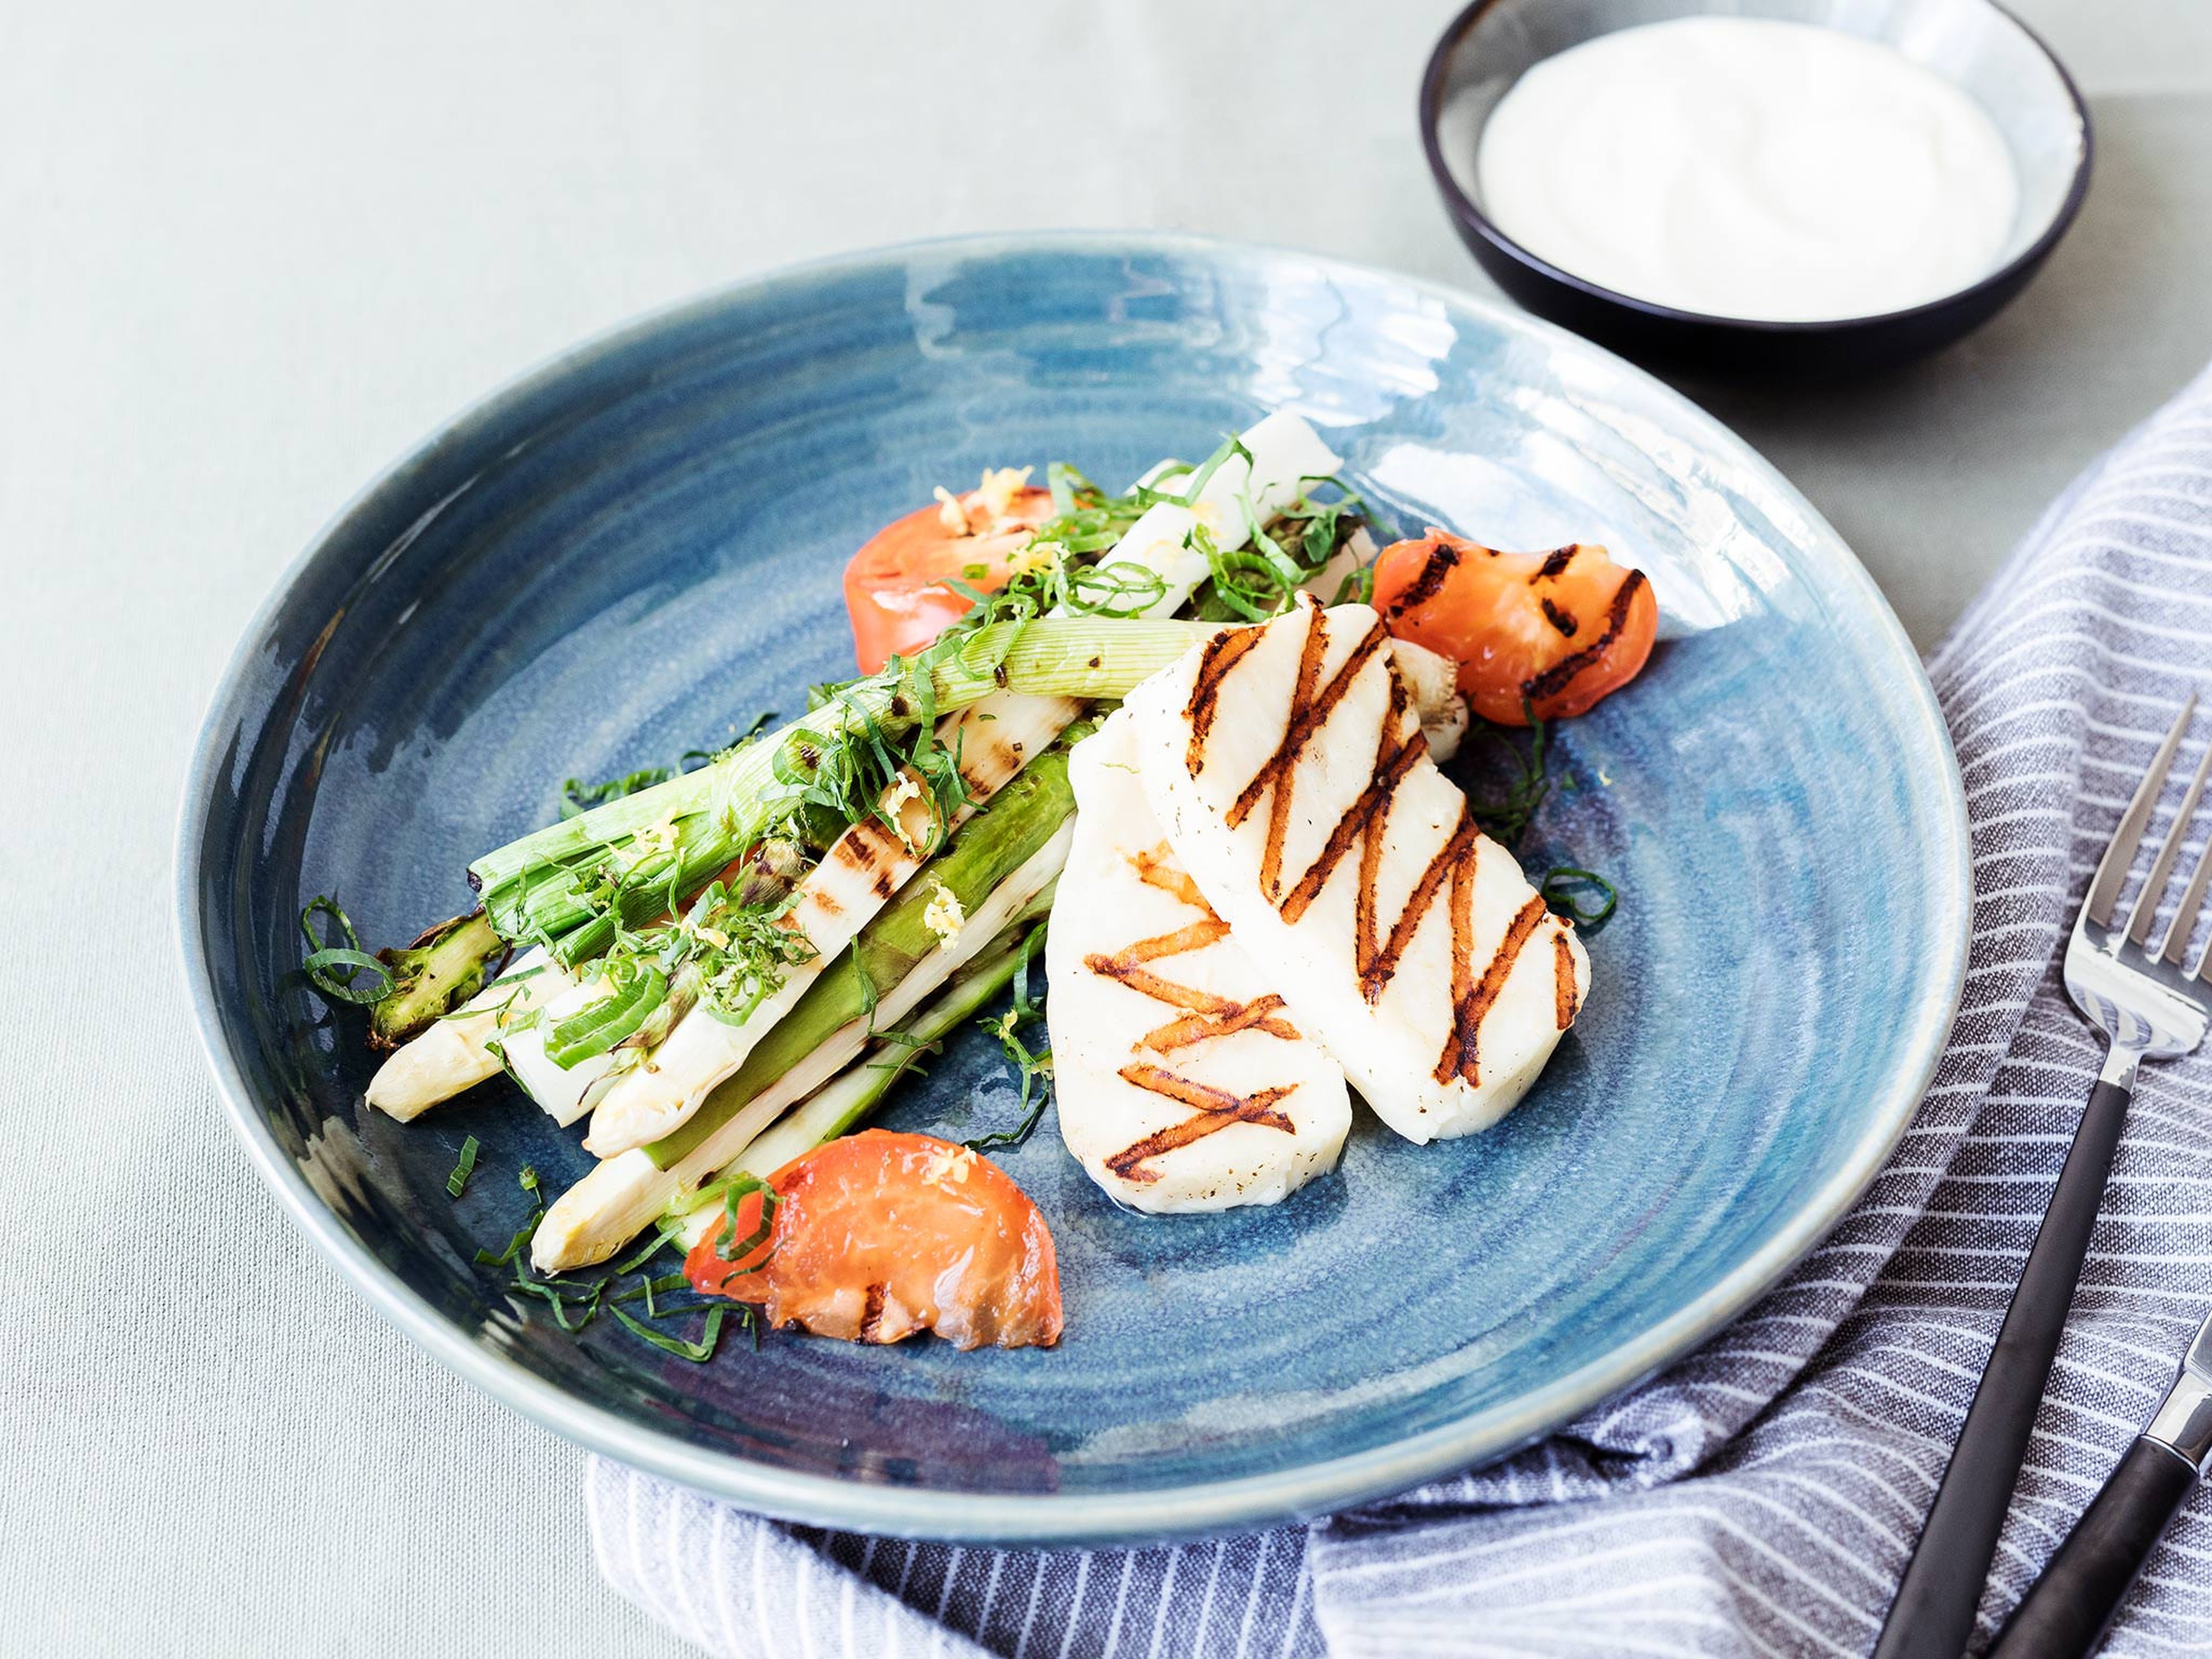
(871, 1315)
(1473, 1000)
(1443, 560)
(1558, 619)
(1557, 564)
(1216, 1110)
(1555, 679)
(1222, 653)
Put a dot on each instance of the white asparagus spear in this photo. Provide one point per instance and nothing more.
(457, 1052)
(629, 1192)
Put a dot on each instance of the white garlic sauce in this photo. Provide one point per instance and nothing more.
(1747, 168)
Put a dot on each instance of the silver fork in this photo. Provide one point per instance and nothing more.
(2148, 1007)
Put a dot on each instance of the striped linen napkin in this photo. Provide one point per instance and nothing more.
(1761, 1496)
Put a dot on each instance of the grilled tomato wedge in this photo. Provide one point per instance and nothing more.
(879, 1234)
(1554, 631)
(896, 587)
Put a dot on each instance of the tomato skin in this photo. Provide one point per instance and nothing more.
(879, 1234)
(1560, 630)
(894, 586)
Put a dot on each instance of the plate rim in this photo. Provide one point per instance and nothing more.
(1202, 1509)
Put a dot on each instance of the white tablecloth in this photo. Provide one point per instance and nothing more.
(249, 254)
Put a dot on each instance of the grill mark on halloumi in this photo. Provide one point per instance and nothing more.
(1374, 978)
(1565, 1003)
(1155, 868)
(1278, 811)
(1209, 1015)
(1225, 1018)
(1125, 966)
(1459, 1054)
(1217, 1108)
(1393, 760)
(1305, 721)
(1222, 653)
(1196, 937)
(1160, 989)
(1459, 1046)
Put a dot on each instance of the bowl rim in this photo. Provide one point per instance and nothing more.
(1245, 1502)
(1464, 208)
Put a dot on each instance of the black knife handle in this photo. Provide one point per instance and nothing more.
(2065, 1613)
(1934, 1613)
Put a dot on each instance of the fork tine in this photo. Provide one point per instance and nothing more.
(2112, 868)
(2154, 887)
(2184, 919)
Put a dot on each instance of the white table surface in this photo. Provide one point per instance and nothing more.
(249, 254)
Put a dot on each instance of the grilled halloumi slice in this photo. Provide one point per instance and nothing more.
(1286, 765)
(1183, 1083)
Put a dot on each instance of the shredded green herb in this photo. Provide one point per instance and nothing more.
(697, 1353)
(515, 1245)
(1563, 887)
(558, 1294)
(456, 1182)
(578, 798)
(528, 1182)
(727, 1245)
(331, 969)
(646, 1289)
(1506, 818)
(1583, 897)
(635, 989)
(661, 1235)
(1033, 1068)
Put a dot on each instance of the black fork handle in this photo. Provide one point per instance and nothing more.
(1933, 1615)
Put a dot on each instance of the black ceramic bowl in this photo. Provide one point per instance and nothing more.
(1978, 45)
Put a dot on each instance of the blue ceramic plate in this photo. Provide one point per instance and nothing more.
(636, 548)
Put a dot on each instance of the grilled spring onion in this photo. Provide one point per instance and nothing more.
(443, 969)
(849, 1098)
(993, 867)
